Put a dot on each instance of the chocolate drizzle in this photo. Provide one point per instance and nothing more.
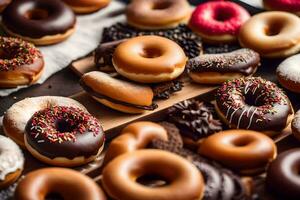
(243, 61)
(195, 119)
(165, 89)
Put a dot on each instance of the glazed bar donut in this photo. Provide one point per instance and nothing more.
(157, 14)
(4, 4)
(17, 116)
(66, 183)
(120, 177)
(64, 136)
(11, 162)
(149, 59)
(21, 62)
(292, 6)
(283, 177)
(288, 73)
(218, 21)
(87, 6)
(248, 152)
(254, 103)
(41, 22)
(272, 34)
(217, 68)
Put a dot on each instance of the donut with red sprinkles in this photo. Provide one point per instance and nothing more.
(254, 103)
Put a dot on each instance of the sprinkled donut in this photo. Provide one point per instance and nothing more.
(288, 73)
(283, 5)
(64, 136)
(217, 68)
(21, 62)
(218, 21)
(11, 162)
(255, 104)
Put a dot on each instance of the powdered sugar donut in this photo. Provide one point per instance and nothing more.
(288, 73)
(11, 161)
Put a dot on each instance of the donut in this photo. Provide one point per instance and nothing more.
(118, 94)
(11, 162)
(218, 21)
(87, 6)
(245, 151)
(42, 22)
(21, 63)
(3, 4)
(296, 125)
(17, 116)
(288, 73)
(217, 68)
(283, 177)
(292, 6)
(157, 14)
(272, 34)
(64, 136)
(254, 103)
(64, 183)
(149, 59)
(121, 176)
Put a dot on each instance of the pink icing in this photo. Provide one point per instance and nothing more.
(218, 17)
(287, 5)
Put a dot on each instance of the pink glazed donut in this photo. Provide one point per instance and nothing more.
(283, 5)
(218, 21)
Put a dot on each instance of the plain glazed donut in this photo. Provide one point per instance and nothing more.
(11, 162)
(66, 183)
(248, 152)
(218, 21)
(157, 14)
(272, 34)
(41, 22)
(283, 5)
(87, 6)
(17, 116)
(288, 73)
(149, 59)
(21, 62)
(283, 175)
(64, 136)
(120, 177)
(254, 103)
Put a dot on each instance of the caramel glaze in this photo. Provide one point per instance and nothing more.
(57, 18)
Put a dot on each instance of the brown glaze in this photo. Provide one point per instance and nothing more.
(38, 18)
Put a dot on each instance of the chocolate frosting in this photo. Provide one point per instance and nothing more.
(244, 61)
(60, 18)
(165, 89)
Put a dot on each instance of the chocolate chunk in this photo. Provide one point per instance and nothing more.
(165, 89)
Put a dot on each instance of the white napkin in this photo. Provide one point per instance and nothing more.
(84, 40)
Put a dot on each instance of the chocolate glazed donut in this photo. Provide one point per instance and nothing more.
(35, 19)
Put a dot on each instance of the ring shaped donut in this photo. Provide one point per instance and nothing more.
(68, 184)
(120, 177)
(157, 14)
(40, 22)
(272, 34)
(283, 5)
(86, 6)
(283, 175)
(245, 151)
(149, 59)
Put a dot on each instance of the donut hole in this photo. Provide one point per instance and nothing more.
(223, 15)
(273, 29)
(37, 14)
(6, 55)
(253, 101)
(242, 141)
(161, 6)
(54, 196)
(64, 126)
(150, 52)
(152, 180)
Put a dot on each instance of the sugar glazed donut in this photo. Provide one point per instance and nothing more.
(184, 181)
(64, 136)
(149, 59)
(283, 177)
(17, 116)
(21, 62)
(288, 73)
(217, 68)
(283, 5)
(157, 14)
(38, 21)
(245, 151)
(296, 125)
(66, 183)
(255, 104)
(11, 162)
(272, 34)
(218, 21)
(86, 6)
